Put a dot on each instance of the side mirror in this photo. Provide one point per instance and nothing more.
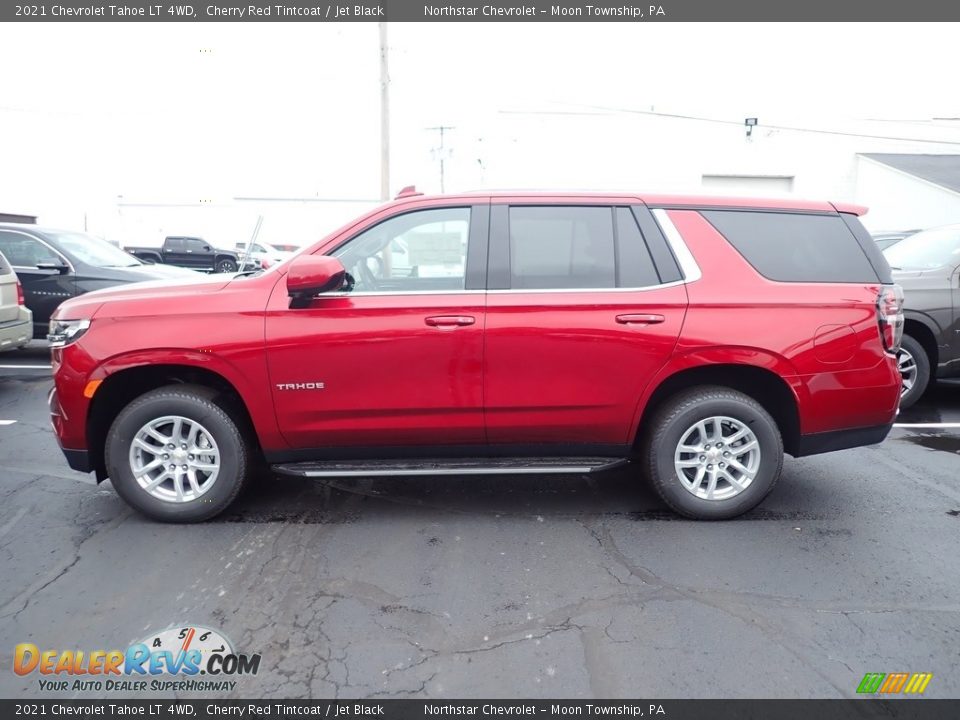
(310, 275)
(53, 265)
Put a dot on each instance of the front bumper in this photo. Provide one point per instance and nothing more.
(78, 460)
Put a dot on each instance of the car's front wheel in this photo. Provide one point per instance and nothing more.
(712, 453)
(176, 455)
(226, 265)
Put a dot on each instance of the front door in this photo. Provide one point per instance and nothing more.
(45, 275)
(394, 358)
(579, 319)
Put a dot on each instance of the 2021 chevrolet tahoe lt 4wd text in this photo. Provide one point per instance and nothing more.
(697, 338)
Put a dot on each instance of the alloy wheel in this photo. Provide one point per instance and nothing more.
(174, 459)
(717, 458)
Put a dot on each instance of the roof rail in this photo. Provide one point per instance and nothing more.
(408, 191)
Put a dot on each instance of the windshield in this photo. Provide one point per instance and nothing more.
(926, 250)
(94, 251)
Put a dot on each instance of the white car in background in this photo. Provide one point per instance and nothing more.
(16, 320)
(261, 251)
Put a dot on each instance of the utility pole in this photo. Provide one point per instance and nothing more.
(384, 116)
(441, 152)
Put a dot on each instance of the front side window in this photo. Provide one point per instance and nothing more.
(24, 251)
(419, 251)
(94, 251)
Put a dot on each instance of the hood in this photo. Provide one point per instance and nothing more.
(86, 305)
(137, 273)
(160, 271)
(899, 276)
(921, 278)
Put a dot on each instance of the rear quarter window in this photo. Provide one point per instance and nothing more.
(5, 268)
(795, 247)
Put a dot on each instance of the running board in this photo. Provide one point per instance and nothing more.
(469, 466)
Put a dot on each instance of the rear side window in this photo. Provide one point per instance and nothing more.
(562, 248)
(577, 247)
(793, 247)
(5, 268)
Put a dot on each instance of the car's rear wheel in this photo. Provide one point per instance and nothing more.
(914, 368)
(712, 453)
(176, 455)
(226, 265)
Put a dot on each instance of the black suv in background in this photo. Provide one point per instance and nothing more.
(927, 266)
(54, 265)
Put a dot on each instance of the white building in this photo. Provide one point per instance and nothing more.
(909, 191)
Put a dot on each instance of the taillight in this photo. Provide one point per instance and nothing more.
(20, 299)
(890, 316)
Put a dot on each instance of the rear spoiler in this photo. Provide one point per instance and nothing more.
(850, 208)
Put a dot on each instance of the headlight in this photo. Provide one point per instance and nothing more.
(64, 332)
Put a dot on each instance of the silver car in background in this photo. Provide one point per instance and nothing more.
(16, 321)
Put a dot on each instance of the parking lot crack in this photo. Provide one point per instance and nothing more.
(22, 601)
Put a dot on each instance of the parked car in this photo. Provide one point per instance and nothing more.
(927, 265)
(698, 338)
(885, 240)
(54, 265)
(16, 320)
(261, 251)
(189, 252)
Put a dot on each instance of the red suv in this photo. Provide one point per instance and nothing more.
(699, 338)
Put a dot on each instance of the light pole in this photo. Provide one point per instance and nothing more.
(441, 152)
(384, 116)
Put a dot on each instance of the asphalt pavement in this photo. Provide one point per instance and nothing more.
(519, 586)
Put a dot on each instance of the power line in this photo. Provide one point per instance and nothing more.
(738, 123)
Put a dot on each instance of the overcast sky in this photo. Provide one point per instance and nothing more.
(224, 109)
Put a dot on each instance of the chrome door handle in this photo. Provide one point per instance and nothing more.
(636, 319)
(450, 320)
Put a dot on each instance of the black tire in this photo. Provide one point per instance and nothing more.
(226, 265)
(922, 376)
(196, 404)
(680, 413)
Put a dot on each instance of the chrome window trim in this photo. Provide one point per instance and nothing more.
(507, 291)
(42, 242)
(688, 265)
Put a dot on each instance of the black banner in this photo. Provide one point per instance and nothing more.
(496, 11)
(916, 709)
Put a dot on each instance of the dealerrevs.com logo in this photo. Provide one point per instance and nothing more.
(894, 683)
(173, 660)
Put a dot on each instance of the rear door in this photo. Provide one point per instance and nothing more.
(174, 252)
(579, 319)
